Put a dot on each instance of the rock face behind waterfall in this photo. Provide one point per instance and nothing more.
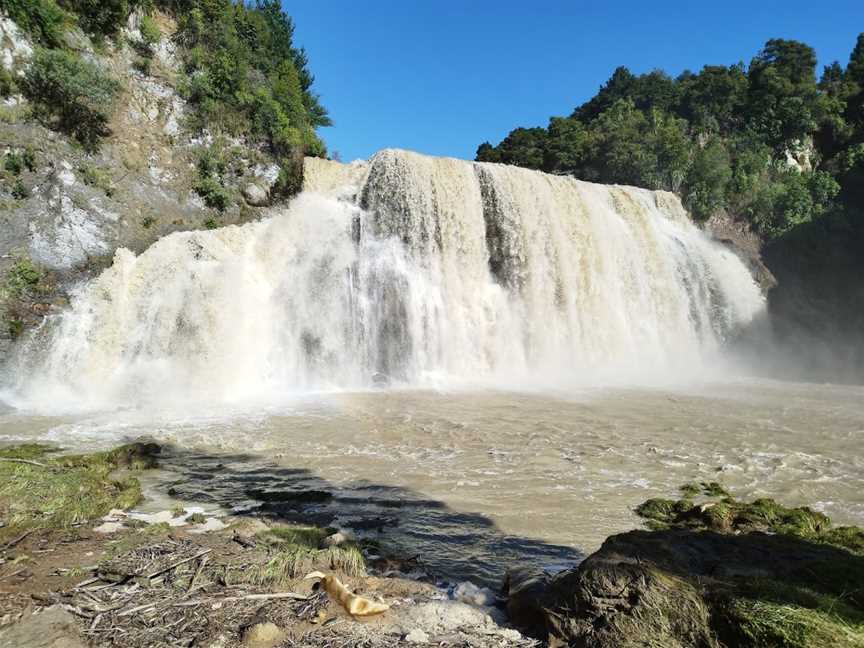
(685, 589)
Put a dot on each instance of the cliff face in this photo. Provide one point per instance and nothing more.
(66, 210)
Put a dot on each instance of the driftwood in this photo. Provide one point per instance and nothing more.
(156, 573)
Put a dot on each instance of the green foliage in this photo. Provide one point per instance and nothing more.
(93, 176)
(8, 87)
(293, 552)
(43, 20)
(721, 512)
(245, 77)
(72, 94)
(100, 18)
(720, 138)
(23, 277)
(58, 492)
(213, 193)
(708, 179)
(20, 190)
(150, 32)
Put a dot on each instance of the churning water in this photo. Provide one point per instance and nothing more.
(495, 359)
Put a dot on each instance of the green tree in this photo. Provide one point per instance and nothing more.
(783, 102)
(708, 179)
(713, 100)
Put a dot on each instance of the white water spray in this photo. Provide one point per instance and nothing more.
(420, 270)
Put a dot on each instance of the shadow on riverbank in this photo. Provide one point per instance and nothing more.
(449, 544)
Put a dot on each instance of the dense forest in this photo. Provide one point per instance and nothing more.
(769, 144)
(767, 141)
(243, 74)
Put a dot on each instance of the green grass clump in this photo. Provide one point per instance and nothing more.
(721, 512)
(95, 177)
(771, 613)
(43, 20)
(57, 492)
(24, 277)
(295, 551)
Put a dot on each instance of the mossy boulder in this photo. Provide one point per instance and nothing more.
(713, 573)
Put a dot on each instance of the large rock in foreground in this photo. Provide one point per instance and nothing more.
(683, 588)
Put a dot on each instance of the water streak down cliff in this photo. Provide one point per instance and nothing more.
(424, 270)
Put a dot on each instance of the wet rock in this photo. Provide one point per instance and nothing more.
(469, 593)
(338, 538)
(109, 527)
(299, 497)
(138, 455)
(263, 635)
(255, 195)
(525, 590)
(52, 627)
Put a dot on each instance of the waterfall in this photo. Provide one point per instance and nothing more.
(407, 269)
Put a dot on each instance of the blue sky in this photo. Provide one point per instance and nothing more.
(442, 76)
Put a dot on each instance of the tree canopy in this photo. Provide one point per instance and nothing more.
(766, 141)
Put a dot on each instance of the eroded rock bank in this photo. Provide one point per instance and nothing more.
(714, 573)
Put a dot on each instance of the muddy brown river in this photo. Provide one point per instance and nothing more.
(475, 481)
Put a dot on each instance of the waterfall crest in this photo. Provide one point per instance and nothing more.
(408, 268)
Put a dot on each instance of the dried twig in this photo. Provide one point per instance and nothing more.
(23, 461)
(15, 541)
(197, 573)
(264, 597)
(178, 563)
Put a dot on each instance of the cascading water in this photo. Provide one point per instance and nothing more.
(414, 268)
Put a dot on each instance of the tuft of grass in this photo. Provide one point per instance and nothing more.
(768, 613)
(23, 277)
(196, 518)
(27, 451)
(58, 492)
(93, 176)
(293, 552)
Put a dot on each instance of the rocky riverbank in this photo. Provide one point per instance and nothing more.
(87, 573)
(81, 565)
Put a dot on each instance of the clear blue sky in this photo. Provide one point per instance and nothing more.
(442, 76)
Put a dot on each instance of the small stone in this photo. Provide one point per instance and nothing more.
(263, 635)
(53, 628)
(468, 592)
(336, 539)
(108, 527)
(255, 195)
(510, 634)
(417, 636)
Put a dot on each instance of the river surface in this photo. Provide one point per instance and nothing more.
(475, 481)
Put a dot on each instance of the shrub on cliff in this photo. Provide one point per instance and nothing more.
(43, 20)
(71, 94)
